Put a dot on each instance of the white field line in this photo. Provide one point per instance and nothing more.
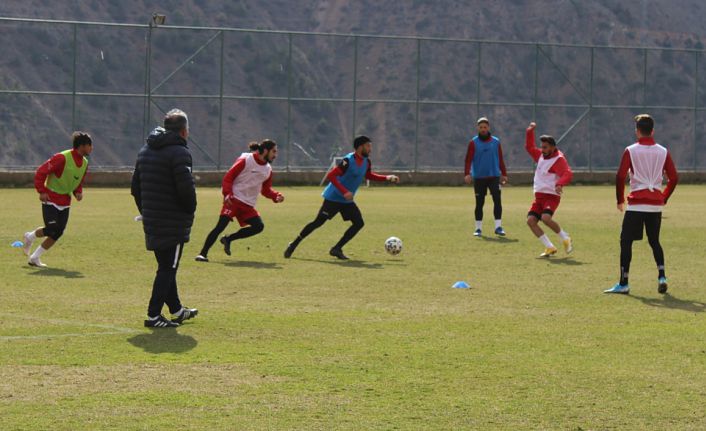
(109, 329)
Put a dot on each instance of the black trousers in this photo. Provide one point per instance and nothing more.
(329, 209)
(55, 221)
(634, 223)
(481, 187)
(164, 288)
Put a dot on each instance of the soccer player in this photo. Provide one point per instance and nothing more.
(550, 177)
(165, 194)
(55, 181)
(485, 168)
(647, 162)
(250, 175)
(338, 196)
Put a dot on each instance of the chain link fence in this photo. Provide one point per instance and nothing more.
(418, 98)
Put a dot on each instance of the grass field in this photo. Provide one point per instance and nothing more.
(379, 342)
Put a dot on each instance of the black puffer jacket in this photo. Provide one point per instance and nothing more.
(164, 189)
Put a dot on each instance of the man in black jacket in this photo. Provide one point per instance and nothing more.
(165, 194)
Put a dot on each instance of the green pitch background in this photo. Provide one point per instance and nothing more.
(379, 342)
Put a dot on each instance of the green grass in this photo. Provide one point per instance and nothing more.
(378, 343)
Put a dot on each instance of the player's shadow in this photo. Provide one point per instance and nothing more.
(669, 301)
(351, 263)
(163, 340)
(252, 264)
(499, 239)
(569, 261)
(55, 272)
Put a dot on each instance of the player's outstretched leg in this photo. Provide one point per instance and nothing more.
(533, 223)
(308, 229)
(548, 220)
(356, 226)
(254, 227)
(212, 237)
(625, 257)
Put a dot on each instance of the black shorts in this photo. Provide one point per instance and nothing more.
(636, 222)
(482, 185)
(349, 212)
(55, 221)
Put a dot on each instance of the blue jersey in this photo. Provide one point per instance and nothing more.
(351, 179)
(486, 158)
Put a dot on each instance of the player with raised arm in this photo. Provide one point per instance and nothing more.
(250, 176)
(550, 177)
(338, 196)
(56, 180)
(647, 162)
(485, 168)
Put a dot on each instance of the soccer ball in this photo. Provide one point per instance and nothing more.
(393, 245)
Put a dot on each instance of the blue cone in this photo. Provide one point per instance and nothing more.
(17, 244)
(461, 285)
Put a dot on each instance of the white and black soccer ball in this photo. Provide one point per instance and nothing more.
(393, 245)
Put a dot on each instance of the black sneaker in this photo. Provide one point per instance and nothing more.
(337, 252)
(160, 322)
(290, 249)
(185, 314)
(662, 285)
(226, 245)
(201, 258)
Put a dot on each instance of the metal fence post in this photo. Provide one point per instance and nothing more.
(289, 104)
(696, 107)
(478, 70)
(220, 102)
(148, 73)
(590, 114)
(536, 82)
(73, 89)
(355, 81)
(644, 79)
(416, 118)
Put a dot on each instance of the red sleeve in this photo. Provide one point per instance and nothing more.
(469, 157)
(233, 172)
(503, 170)
(562, 169)
(370, 175)
(531, 147)
(333, 175)
(625, 164)
(267, 190)
(672, 177)
(55, 165)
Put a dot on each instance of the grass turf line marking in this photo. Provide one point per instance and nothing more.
(112, 330)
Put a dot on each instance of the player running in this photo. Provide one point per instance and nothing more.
(485, 168)
(338, 196)
(647, 162)
(55, 181)
(550, 177)
(250, 175)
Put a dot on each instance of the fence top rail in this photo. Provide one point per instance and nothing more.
(354, 35)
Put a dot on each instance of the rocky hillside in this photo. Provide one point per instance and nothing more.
(112, 60)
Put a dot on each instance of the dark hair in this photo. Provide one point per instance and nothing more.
(360, 140)
(81, 138)
(266, 144)
(176, 120)
(548, 139)
(644, 124)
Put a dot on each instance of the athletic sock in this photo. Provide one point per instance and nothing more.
(545, 240)
(623, 277)
(153, 318)
(563, 235)
(498, 223)
(479, 224)
(661, 271)
(31, 236)
(38, 252)
(179, 313)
